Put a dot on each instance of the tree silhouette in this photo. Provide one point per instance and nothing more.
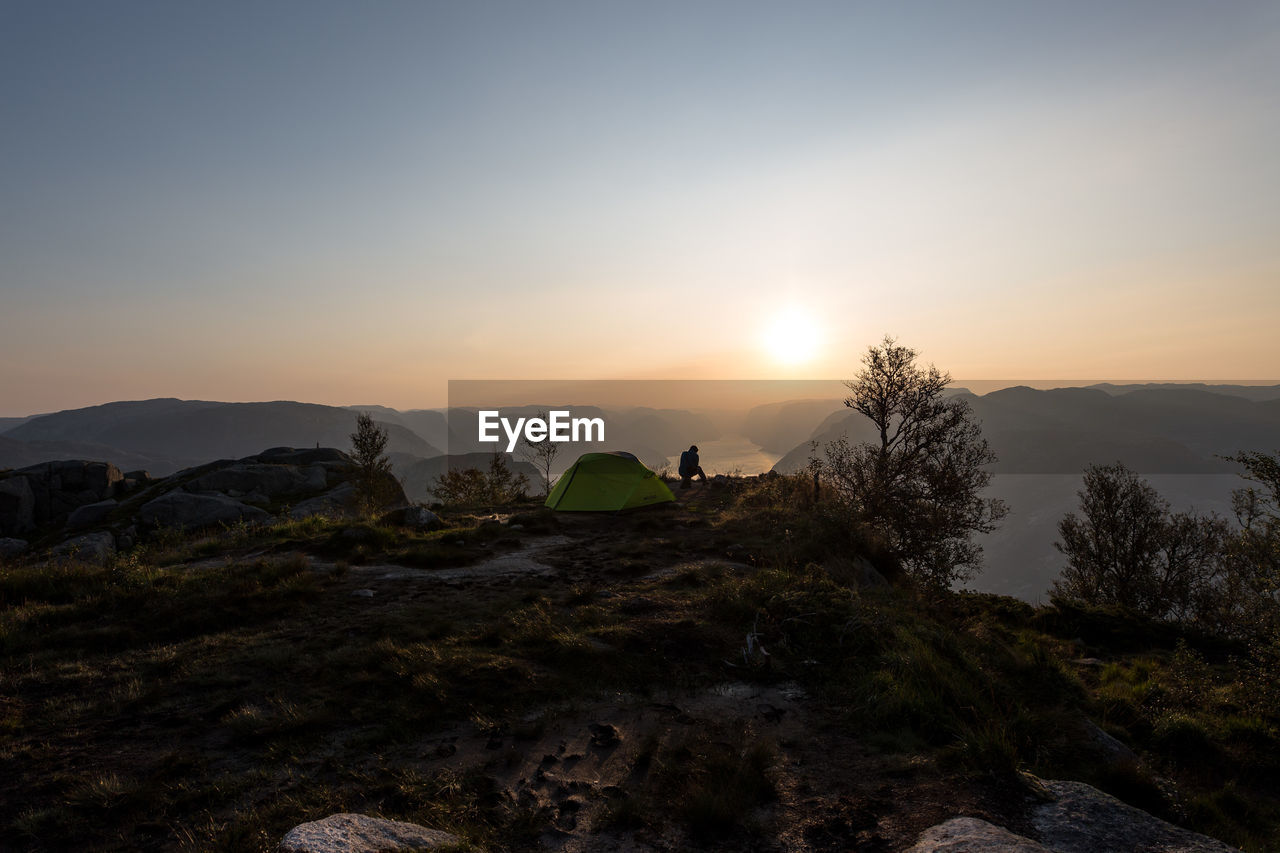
(915, 495)
(368, 448)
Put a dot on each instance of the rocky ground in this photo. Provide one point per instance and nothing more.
(661, 680)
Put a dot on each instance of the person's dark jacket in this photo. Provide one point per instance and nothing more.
(688, 463)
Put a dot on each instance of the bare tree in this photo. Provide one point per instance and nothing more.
(917, 492)
(541, 454)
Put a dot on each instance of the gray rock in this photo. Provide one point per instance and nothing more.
(17, 505)
(90, 514)
(1084, 820)
(334, 502)
(183, 510)
(93, 548)
(78, 476)
(316, 477)
(11, 547)
(356, 833)
(972, 835)
(305, 456)
(270, 480)
(421, 518)
(417, 517)
(56, 489)
(1113, 750)
(1081, 819)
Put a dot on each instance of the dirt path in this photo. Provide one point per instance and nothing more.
(519, 563)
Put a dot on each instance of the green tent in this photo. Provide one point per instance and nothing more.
(608, 482)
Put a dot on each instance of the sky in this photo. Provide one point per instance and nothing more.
(356, 202)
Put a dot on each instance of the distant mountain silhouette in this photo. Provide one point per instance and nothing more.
(166, 434)
(1161, 429)
(429, 424)
(9, 423)
(1249, 392)
(203, 430)
(20, 454)
(778, 427)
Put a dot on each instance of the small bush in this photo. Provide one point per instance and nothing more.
(1184, 739)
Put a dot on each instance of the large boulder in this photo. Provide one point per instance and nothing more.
(413, 516)
(972, 835)
(17, 505)
(335, 502)
(1079, 819)
(357, 833)
(56, 489)
(78, 476)
(1082, 819)
(187, 511)
(93, 548)
(305, 456)
(270, 480)
(10, 548)
(1109, 749)
(91, 514)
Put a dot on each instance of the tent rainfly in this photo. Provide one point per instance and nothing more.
(607, 482)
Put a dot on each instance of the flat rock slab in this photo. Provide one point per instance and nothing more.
(357, 833)
(183, 510)
(973, 835)
(1085, 820)
(93, 548)
(1081, 819)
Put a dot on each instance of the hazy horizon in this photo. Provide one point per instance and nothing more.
(977, 386)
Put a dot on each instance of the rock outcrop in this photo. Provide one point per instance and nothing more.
(17, 506)
(46, 494)
(10, 547)
(357, 833)
(416, 517)
(1079, 819)
(334, 502)
(1082, 819)
(105, 509)
(273, 481)
(93, 548)
(972, 835)
(183, 510)
(91, 514)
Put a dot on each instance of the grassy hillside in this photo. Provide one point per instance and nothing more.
(703, 675)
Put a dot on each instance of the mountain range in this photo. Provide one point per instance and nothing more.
(1152, 429)
(1175, 434)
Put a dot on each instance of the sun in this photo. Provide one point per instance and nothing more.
(792, 337)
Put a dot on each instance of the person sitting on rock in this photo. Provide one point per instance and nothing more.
(689, 467)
